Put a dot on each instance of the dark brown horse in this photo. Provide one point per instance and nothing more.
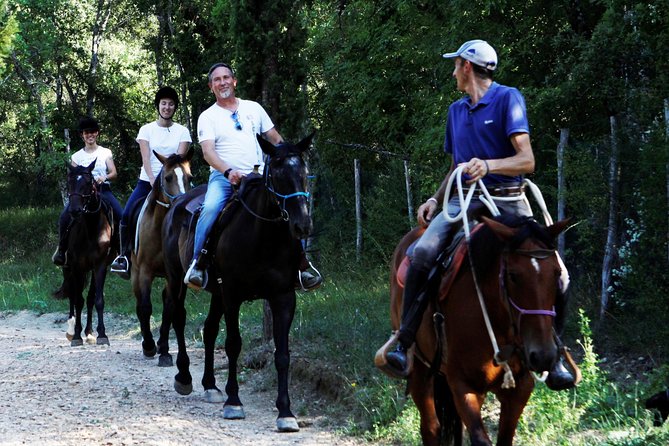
(256, 256)
(147, 253)
(516, 267)
(89, 250)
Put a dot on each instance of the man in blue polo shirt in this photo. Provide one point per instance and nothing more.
(487, 132)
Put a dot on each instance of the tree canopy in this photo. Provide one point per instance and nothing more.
(369, 77)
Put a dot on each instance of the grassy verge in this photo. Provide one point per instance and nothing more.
(335, 334)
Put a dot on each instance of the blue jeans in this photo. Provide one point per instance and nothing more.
(140, 192)
(110, 199)
(219, 191)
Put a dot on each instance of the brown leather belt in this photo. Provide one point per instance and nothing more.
(502, 190)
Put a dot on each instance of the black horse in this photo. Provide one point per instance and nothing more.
(89, 250)
(255, 256)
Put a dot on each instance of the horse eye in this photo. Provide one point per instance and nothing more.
(169, 177)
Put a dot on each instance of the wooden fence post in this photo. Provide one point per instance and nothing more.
(358, 210)
(562, 145)
(407, 181)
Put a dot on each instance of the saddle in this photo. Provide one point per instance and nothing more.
(451, 259)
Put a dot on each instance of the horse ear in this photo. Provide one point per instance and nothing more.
(503, 232)
(266, 146)
(305, 144)
(189, 155)
(161, 158)
(91, 166)
(555, 229)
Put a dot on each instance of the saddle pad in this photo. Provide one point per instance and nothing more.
(197, 199)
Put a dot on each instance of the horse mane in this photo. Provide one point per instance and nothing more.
(486, 246)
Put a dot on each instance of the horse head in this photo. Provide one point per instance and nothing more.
(81, 189)
(529, 273)
(286, 178)
(175, 175)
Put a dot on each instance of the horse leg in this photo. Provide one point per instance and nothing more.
(468, 404)
(165, 358)
(209, 335)
(77, 300)
(90, 301)
(141, 286)
(100, 276)
(421, 388)
(183, 381)
(283, 310)
(512, 404)
(233, 346)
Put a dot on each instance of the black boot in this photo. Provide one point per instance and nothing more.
(559, 377)
(413, 306)
(59, 257)
(121, 264)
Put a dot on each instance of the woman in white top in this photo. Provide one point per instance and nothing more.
(163, 136)
(104, 171)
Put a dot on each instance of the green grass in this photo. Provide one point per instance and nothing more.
(335, 333)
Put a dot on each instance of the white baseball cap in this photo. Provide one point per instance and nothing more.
(476, 51)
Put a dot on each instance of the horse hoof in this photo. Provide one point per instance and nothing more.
(76, 342)
(287, 424)
(90, 339)
(69, 336)
(165, 361)
(102, 341)
(150, 353)
(183, 389)
(234, 413)
(213, 396)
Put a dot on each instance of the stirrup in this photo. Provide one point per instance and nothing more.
(571, 365)
(318, 277)
(115, 266)
(381, 362)
(187, 277)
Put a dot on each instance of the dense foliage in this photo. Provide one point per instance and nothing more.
(369, 77)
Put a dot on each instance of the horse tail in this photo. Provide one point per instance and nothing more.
(449, 420)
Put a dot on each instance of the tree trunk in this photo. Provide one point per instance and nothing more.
(666, 129)
(562, 145)
(101, 19)
(612, 230)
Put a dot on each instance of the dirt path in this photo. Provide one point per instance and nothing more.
(54, 394)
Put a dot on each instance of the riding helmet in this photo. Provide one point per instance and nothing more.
(166, 93)
(88, 123)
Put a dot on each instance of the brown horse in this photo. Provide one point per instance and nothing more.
(89, 250)
(517, 270)
(147, 256)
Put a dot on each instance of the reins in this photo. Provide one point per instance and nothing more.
(267, 175)
(488, 201)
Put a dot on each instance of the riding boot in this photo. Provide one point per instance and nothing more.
(414, 303)
(121, 264)
(306, 281)
(60, 256)
(196, 275)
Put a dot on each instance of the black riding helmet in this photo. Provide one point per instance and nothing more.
(166, 93)
(88, 123)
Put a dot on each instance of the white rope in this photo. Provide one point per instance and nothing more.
(509, 382)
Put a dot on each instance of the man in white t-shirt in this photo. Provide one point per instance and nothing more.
(163, 136)
(227, 133)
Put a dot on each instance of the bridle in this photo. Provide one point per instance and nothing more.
(86, 198)
(540, 253)
(279, 199)
(170, 197)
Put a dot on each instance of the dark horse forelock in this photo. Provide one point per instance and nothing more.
(485, 245)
